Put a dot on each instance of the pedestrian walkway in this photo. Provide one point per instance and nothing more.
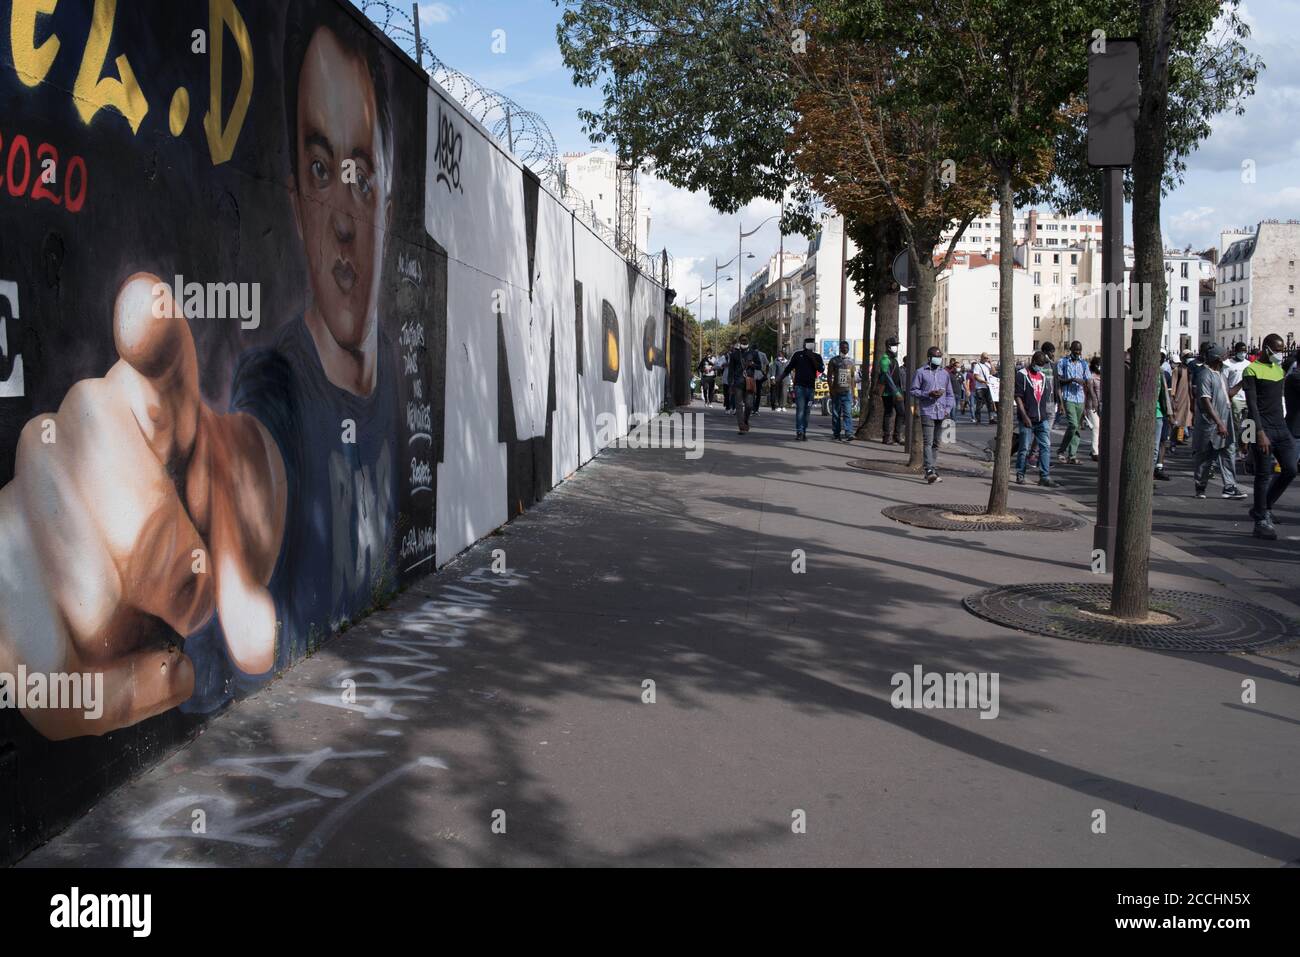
(490, 718)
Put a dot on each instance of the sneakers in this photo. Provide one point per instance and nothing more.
(1161, 476)
(1234, 493)
(1071, 460)
(1265, 530)
(1200, 493)
(1048, 482)
(1060, 458)
(1020, 478)
(1096, 457)
(931, 476)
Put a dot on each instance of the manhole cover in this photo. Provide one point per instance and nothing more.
(901, 468)
(939, 517)
(1184, 621)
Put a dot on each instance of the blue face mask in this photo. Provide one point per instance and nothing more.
(936, 361)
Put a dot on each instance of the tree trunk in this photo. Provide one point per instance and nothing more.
(923, 283)
(1130, 591)
(1007, 415)
(884, 299)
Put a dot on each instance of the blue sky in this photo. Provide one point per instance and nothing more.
(1213, 196)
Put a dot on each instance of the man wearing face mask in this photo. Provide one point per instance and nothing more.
(889, 382)
(932, 390)
(743, 362)
(1233, 367)
(839, 374)
(804, 364)
(1031, 394)
(1263, 380)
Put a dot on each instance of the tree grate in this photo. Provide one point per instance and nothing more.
(1198, 623)
(936, 517)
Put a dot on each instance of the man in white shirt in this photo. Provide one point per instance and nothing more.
(980, 372)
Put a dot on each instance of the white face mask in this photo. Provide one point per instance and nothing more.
(893, 350)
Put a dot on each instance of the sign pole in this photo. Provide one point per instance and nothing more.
(1112, 139)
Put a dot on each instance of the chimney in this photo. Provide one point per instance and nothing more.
(1031, 231)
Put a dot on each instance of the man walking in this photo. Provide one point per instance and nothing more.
(1092, 407)
(805, 364)
(1072, 374)
(1264, 385)
(932, 390)
(776, 391)
(890, 382)
(742, 364)
(840, 376)
(1213, 439)
(1053, 393)
(980, 391)
(709, 377)
(1031, 408)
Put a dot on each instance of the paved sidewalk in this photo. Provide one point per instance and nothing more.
(517, 698)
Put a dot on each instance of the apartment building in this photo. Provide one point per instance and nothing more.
(594, 175)
(965, 309)
(1256, 284)
(1031, 227)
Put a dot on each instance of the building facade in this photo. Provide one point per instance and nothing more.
(594, 176)
(966, 300)
(1256, 284)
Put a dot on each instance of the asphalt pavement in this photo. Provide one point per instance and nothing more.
(677, 661)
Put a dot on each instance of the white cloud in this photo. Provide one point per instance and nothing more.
(431, 13)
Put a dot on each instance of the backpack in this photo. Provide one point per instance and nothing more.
(843, 374)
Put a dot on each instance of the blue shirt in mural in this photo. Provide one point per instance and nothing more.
(342, 471)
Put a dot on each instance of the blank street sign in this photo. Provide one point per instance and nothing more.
(1112, 103)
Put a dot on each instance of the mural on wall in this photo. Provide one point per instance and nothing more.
(609, 340)
(230, 447)
(281, 328)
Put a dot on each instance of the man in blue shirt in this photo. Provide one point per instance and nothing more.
(1072, 377)
(932, 391)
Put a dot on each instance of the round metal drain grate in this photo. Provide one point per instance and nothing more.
(1187, 621)
(901, 468)
(937, 517)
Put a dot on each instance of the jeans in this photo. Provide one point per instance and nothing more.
(710, 387)
(1028, 435)
(774, 397)
(931, 436)
(981, 395)
(803, 396)
(1207, 455)
(1074, 417)
(1160, 437)
(740, 401)
(893, 410)
(1094, 425)
(1269, 487)
(726, 396)
(841, 413)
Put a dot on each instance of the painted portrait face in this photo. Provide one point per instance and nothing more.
(344, 188)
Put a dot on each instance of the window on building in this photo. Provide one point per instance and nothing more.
(1183, 271)
(1056, 279)
(1182, 318)
(995, 284)
(1056, 259)
(1074, 280)
(1183, 295)
(995, 334)
(1038, 279)
(1205, 327)
(1037, 301)
(1038, 258)
(1074, 259)
(1037, 323)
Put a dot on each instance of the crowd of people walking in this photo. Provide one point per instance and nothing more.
(1233, 411)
